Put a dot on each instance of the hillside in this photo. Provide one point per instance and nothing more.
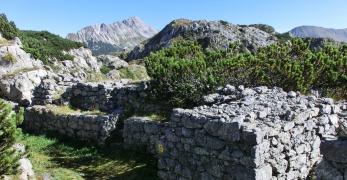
(209, 34)
(107, 38)
(339, 35)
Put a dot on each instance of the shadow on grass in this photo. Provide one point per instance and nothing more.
(91, 162)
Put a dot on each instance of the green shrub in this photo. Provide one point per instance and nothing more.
(44, 45)
(9, 58)
(184, 72)
(264, 27)
(180, 73)
(8, 135)
(8, 28)
(225, 23)
(105, 69)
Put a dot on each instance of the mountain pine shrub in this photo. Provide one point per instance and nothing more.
(46, 46)
(8, 28)
(8, 134)
(184, 72)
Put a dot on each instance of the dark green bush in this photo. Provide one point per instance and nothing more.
(179, 73)
(44, 45)
(8, 135)
(184, 72)
(225, 23)
(264, 27)
(8, 28)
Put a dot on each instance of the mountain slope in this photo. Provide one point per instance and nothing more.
(339, 35)
(104, 39)
(210, 34)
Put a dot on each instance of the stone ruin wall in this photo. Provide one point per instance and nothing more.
(89, 128)
(242, 133)
(254, 133)
(106, 97)
(334, 151)
(110, 98)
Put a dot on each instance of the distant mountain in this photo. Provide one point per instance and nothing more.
(209, 34)
(104, 39)
(339, 35)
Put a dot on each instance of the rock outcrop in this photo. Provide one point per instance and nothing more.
(20, 74)
(111, 61)
(104, 39)
(339, 35)
(210, 34)
(83, 65)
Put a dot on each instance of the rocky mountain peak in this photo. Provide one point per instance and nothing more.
(133, 21)
(339, 35)
(209, 34)
(107, 38)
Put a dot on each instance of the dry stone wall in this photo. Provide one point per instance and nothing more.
(90, 96)
(107, 96)
(142, 132)
(241, 133)
(334, 150)
(91, 128)
(245, 133)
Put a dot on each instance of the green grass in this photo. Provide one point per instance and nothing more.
(64, 109)
(134, 72)
(67, 159)
(9, 58)
(105, 69)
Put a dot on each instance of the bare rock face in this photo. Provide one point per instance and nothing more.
(210, 34)
(20, 87)
(20, 74)
(103, 39)
(13, 59)
(77, 69)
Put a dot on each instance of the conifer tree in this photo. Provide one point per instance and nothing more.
(8, 135)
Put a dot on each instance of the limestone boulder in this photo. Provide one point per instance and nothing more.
(19, 87)
(112, 61)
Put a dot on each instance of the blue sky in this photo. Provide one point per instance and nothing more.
(64, 16)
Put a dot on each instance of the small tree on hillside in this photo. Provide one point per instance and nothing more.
(8, 134)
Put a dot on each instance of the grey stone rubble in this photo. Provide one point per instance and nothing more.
(334, 149)
(245, 133)
(91, 128)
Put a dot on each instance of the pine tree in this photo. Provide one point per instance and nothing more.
(8, 135)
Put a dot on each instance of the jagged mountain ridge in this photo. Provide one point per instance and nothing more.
(107, 38)
(210, 34)
(339, 35)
